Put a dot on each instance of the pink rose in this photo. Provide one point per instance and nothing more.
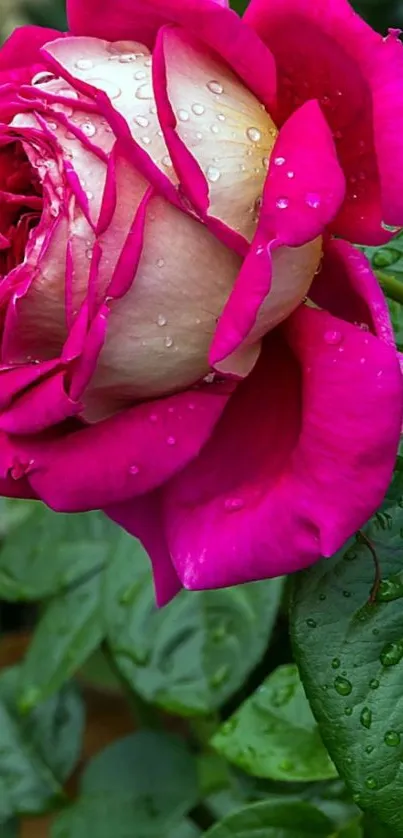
(171, 176)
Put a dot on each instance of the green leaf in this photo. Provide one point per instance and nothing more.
(387, 262)
(10, 829)
(352, 830)
(115, 816)
(274, 735)
(38, 751)
(190, 656)
(349, 652)
(70, 629)
(45, 552)
(274, 820)
(156, 768)
(148, 779)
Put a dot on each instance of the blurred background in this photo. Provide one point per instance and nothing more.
(380, 13)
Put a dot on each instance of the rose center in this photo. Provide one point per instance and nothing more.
(21, 204)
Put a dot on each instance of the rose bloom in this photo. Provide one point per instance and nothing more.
(189, 340)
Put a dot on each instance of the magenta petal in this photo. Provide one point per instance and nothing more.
(142, 518)
(41, 407)
(305, 186)
(288, 478)
(303, 193)
(19, 55)
(211, 21)
(348, 288)
(126, 455)
(324, 50)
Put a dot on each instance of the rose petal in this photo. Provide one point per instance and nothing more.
(219, 27)
(210, 117)
(294, 467)
(130, 454)
(142, 517)
(324, 50)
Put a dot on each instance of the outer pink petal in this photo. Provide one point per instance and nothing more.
(210, 20)
(303, 193)
(294, 466)
(324, 50)
(348, 288)
(142, 518)
(119, 458)
(19, 55)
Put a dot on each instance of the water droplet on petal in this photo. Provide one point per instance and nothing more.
(214, 129)
(88, 129)
(282, 203)
(290, 175)
(145, 91)
(209, 378)
(374, 684)
(171, 440)
(161, 320)
(313, 200)
(142, 121)
(129, 57)
(336, 663)
(221, 117)
(389, 228)
(213, 174)
(42, 78)
(134, 469)
(253, 134)
(215, 87)
(333, 338)
(279, 161)
(84, 64)
(139, 75)
(198, 109)
(266, 161)
(160, 263)
(183, 115)
(146, 140)
(168, 342)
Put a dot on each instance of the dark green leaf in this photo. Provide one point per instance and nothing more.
(350, 654)
(155, 768)
(274, 734)
(115, 816)
(190, 656)
(37, 751)
(352, 830)
(140, 786)
(45, 552)
(70, 629)
(10, 829)
(274, 820)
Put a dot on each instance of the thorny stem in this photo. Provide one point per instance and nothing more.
(378, 573)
